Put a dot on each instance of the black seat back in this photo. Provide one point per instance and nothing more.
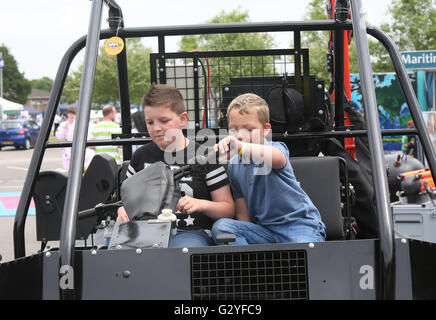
(319, 178)
(98, 183)
(122, 174)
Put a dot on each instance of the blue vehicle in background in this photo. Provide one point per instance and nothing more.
(21, 134)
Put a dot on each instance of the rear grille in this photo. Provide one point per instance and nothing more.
(263, 275)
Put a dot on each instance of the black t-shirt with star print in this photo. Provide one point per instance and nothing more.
(199, 187)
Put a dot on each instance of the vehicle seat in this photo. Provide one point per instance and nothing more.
(320, 179)
(98, 184)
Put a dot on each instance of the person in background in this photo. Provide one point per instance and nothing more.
(138, 126)
(117, 118)
(104, 129)
(39, 119)
(57, 122)
(66, 132)
(408, 142)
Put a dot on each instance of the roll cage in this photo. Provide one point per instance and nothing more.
(338, 25)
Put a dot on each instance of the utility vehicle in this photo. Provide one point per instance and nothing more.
(337, 156)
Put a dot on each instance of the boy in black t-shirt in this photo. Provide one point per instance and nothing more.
(204, 199)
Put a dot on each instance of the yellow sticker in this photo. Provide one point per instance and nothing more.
(114, 45)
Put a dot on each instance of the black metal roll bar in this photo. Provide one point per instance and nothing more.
(113, 7)
(386, 281)
(55, 95)
(39, 150)
(68, 227)
(116, 23)
(409, 95)
(124, 141)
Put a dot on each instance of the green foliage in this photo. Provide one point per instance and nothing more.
(44, 83)
(219, 42)
(317, 42)
(380, 60)
(415, 22)
(224, 68)
(70, 92)
(106, 75)
(15, 86)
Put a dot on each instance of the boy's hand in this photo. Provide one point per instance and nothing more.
(122, 215)
(228, 147)
(190, 205)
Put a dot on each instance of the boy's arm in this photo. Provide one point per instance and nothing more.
(258, 152)
(241, 210)
(221, 206)
(91, 136)
(266, 154)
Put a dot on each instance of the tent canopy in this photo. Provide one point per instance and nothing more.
(7, 105)
(32, 111)
(63, 107)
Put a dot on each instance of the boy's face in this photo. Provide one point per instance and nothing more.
(164, 125)
(247, 127)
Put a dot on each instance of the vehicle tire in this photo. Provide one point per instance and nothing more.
(27, 144)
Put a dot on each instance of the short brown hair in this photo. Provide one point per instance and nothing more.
(164, 95)
(71, 110)
(250, 102)
(107, 110)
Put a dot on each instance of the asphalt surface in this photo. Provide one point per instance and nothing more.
(14, 165)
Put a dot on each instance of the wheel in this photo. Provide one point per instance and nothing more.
(27, 144)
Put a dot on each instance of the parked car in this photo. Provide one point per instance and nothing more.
(18, 133)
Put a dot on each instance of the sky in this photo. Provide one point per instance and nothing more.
(38, 32)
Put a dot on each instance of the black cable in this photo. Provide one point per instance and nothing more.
(331, 109)
(205, 85)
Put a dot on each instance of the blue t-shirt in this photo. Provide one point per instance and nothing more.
(273, 196)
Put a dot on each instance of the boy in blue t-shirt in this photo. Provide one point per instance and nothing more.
(271, 206)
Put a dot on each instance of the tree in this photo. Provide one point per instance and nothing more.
(44, 83)
(317, 42)
(225, 67)
(15, 86)
(380, 59)
(106, 76)
(415, 22)
(235, 41)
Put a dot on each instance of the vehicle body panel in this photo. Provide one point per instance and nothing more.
(15, 133)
